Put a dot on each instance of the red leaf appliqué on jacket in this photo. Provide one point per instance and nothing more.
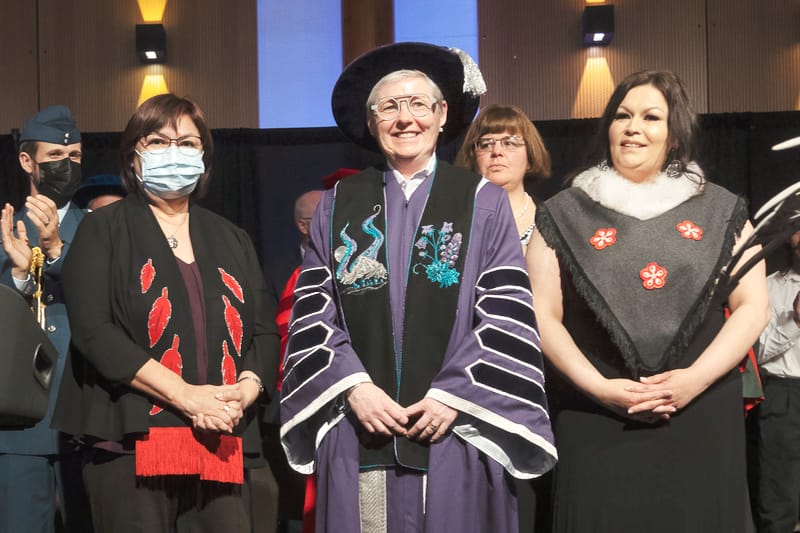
(147, 275)
(171, 359)
(234, 323)
(232, 284)
(228, 366)
(158, 318)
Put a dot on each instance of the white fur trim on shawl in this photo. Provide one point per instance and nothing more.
(644, 200)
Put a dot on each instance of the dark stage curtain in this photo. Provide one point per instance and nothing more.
(257, 174)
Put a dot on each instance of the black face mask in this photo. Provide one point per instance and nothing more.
(58, 180)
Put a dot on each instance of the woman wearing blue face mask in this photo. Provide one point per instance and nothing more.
(171, 339)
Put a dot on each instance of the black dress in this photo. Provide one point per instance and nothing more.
(642, 296)
(615, 475)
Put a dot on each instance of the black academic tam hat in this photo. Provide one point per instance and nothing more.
(453, 70)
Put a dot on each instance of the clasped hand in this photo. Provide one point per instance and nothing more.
(428, 419)
(653, 398)
(214, 407)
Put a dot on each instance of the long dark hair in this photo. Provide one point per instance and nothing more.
(151, 116)
(681, 121)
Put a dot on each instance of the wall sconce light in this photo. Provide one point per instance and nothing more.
(151, 43)
(598, 25)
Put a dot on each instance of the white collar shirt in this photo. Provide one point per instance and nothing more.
(779, 346)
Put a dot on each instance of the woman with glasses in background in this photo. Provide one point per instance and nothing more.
(171, 339)
(503, 145)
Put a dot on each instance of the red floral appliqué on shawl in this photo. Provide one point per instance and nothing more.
(232, 284)
(689, 230)
(234, 322)
(172, 360)
(147, 275)
(603, 238)
(158, 318)
(654, 276)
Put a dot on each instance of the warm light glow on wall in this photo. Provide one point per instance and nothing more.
(587, 1)
(594, 90)
(152, 85)
(152, 10)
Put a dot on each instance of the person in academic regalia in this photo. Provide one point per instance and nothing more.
(413, 385)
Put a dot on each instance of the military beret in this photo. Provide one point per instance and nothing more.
(53, 124)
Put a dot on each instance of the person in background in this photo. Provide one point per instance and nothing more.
(99, 191)
(281, 268)
(406, 375)
(35, 463)
(504, 146)
(283, 272)
(626, 267)
(779, 413)
(172, 339)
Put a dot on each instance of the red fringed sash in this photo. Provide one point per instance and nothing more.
(181, 451)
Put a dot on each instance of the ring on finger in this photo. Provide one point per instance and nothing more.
(433, 426)
(226, 408)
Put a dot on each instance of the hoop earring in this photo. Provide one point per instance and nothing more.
(603, 165)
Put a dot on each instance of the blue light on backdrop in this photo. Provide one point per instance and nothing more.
(300, 51)
(299, 60)
(446, 23)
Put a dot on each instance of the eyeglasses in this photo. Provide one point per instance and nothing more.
(419, 105)
(509, 144)
(155, 143)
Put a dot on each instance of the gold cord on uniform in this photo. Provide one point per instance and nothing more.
(37, 262)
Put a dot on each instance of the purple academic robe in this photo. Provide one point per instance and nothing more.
(491, 374)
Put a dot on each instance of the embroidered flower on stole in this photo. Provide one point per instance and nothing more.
(441, 249)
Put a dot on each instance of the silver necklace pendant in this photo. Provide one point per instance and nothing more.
(172, 242)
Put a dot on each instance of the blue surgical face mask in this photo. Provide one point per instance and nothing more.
(172, 173)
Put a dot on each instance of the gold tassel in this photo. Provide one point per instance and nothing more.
(37, 262)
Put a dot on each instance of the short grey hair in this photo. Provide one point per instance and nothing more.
(436, 92)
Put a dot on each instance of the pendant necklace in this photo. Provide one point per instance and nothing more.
(172, 242)
(524, 209)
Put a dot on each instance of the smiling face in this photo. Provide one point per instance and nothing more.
(407, 141)
(639, 134)
(500, 165)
